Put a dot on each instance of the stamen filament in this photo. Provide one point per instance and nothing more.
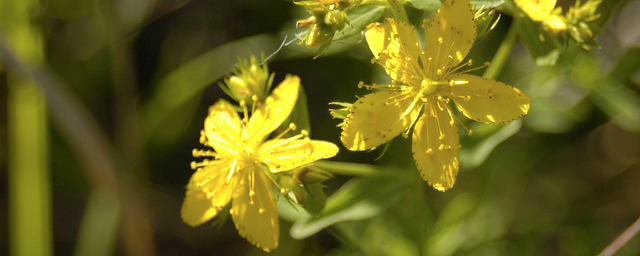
(243, 105)
(232, 170)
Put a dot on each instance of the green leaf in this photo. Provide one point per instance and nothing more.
(184, 84)
(611, 95)
(465, 223)
(425, 5)
(627, 65)
(487, 3)
(487, 137)
(359, 198)
(541, 47)
(618, 101)
(316, 199)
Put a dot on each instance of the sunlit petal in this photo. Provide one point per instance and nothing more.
(435, 146)
(377, 118)
(277, 107)
(207, 192)
(254, 212)
(283, 155)
(395, 47)
(222, 127)
(487, 100)
(450, 36)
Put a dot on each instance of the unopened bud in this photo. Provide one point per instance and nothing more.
(318, 34)
(335, 19)
(554, 25)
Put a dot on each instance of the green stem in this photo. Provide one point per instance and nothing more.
(29, 189)
(502, 55)
(29, 178)
(348, 169)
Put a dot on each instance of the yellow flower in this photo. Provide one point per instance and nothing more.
(543, 11)
(424, 84)
(243, 163)
(537, 10)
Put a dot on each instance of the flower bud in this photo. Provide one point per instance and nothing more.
(290, 185)
(335, 19)
(554, 25)
(318, 34)
(249, 78)
(312, 175)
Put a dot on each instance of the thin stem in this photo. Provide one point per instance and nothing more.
(85, 137)
(348, 169)
(29, 174)
(622, 239)
(136, 227)
(502, 55)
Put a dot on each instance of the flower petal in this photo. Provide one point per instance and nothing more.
(256, 217)
(285, 154)
(222, 127)
(436, 145)
(536, 10)
(449, 36)
(207, 193)
(276, 108)
(487, 100)
(395, 46)
(379, 117)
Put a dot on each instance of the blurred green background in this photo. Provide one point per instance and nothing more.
(103, 102)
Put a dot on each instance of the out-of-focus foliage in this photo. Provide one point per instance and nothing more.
(128, 84)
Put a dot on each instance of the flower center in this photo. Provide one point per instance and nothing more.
(428, 87)
(248, 153)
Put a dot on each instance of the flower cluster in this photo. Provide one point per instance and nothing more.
(554, 23)
(244, 164)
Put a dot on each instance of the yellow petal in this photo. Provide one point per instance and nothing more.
(222, 127)
(449, 36)
(537, 10)
(395, 46)
(283, 154)
(207, 193)
(487, 100)
(276, 108)
(256, 217)
(377, 118)
(436, 145)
